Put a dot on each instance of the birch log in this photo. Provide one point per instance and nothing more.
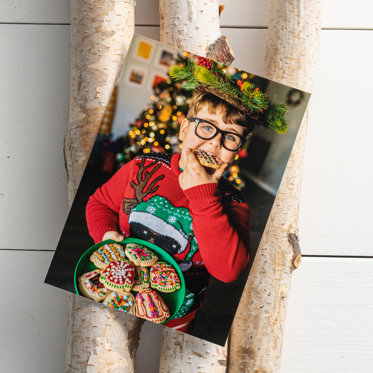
(192, 25)
(256, 337)
(99, 339)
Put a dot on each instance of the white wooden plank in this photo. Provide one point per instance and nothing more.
(33, 315)
(248, 13)
(237, 13)
(329, 321)
(345, 14)
(35, 11)
(254, 13)
(34, 93)
(336, 203)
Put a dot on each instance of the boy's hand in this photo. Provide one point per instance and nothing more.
(112, 235)
(195, 174)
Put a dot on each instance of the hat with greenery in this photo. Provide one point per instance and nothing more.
(208, 76)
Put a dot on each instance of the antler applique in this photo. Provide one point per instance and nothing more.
(142, 178)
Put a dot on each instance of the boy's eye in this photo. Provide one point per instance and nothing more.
(229, 137)
(207, 128)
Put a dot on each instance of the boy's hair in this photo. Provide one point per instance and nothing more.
(230, 113)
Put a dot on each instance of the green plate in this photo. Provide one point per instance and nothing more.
(173, 300)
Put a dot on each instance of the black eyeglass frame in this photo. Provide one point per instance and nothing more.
(218, 130)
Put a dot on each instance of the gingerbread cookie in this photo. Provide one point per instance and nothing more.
(141, 279)
(207, 159)
(164, 278)
(150, 306)
(118, 275)
(140, 255)
(120, 301)
(106, 254)
(91, 287)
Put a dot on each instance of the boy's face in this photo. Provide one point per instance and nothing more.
(192, 141)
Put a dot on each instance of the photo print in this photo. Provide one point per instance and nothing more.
(177, 191)
(136, 76)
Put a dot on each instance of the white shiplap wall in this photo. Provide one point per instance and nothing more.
(330, 324)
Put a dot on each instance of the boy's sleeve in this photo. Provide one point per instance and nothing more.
(103, 206)
(222, 232)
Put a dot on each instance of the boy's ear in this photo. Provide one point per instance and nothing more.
(183, 128)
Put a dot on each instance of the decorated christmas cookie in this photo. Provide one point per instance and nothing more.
(141, 279)
(164, 278)
(140, 255)
(150, 306)
(118, 275)
(106, 254)
(207, 159)
(91, 287)
(121, 301)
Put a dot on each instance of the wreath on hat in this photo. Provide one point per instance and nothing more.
(208, 76)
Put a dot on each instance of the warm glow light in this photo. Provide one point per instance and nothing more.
(244, 75)
(146, 124)
(235, 174)
(152, 97)
(174, 107)
(147, 116)
(238, 181)
(156, 143)
(142, 142)
(161, 132)
(167, 146)
(236, 157)
(174, 117)
(146, 150)
(151, 111)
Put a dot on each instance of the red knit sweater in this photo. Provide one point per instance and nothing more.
(206, 226)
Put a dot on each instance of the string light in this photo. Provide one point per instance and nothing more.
(167, 146)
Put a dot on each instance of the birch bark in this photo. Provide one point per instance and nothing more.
(99, 339)
(257, 333)
(191, 25)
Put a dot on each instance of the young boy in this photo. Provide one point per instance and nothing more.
(173, 201)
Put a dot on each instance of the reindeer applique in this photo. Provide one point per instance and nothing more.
(143, 176)
(156, 220)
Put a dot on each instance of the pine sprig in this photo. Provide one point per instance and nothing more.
(254, 101)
